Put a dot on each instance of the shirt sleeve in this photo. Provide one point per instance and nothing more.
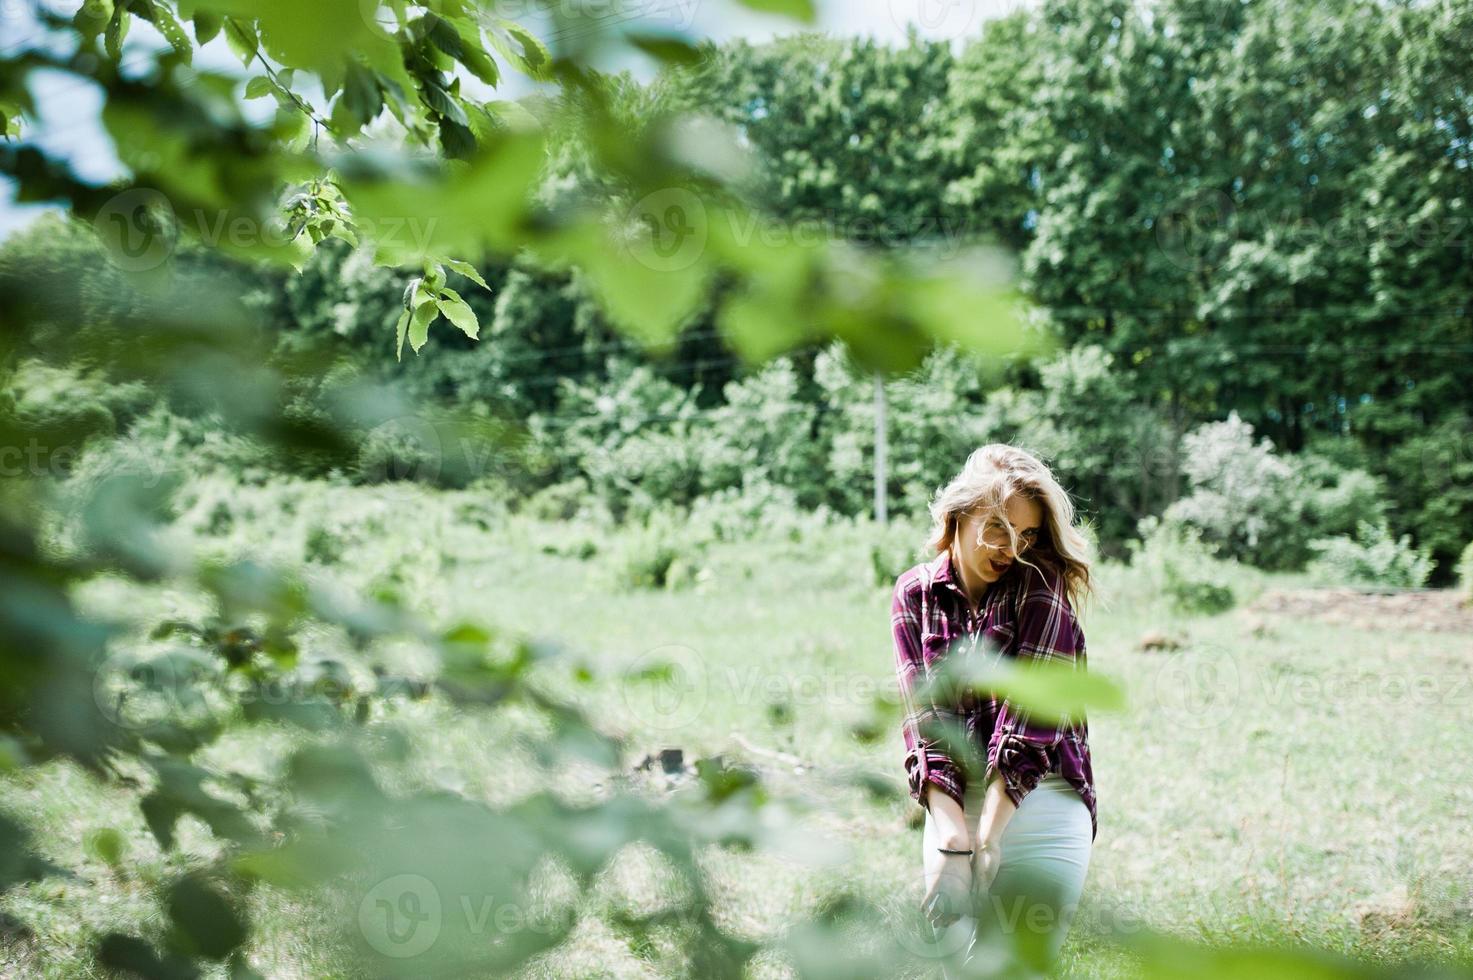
(1021, 750)
(925, 762)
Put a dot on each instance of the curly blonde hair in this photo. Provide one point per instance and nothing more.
(993, 474)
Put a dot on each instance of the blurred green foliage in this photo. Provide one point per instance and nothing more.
(603, 224)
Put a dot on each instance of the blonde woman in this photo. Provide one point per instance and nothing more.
(1009, 799)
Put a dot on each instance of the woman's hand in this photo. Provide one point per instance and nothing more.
(997, 810)
(985, 862)
(948, 876)
(948, 890)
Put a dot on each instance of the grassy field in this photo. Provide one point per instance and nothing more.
(1274, 779)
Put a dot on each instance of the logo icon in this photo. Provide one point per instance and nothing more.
(401, 916)
(401, 452)
(668, 230)
(139, 229)
(1192, 232)
(665, 687)
(1198, 687)
(945, 20)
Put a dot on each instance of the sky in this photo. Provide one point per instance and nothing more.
(68, 108)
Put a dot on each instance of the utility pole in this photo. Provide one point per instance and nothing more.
(882, 515)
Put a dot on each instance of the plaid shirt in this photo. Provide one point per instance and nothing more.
(1025, 614)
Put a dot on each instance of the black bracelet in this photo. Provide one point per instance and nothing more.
(952, 850)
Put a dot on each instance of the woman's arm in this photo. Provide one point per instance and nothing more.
(926, 764)
(997, 810)
(948, 877)
(949, 819)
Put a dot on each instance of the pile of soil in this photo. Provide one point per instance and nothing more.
(1430, 610)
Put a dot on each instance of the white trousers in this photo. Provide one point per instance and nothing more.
(1021, 921)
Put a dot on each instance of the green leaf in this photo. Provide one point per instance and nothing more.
(530, 55)
(319, 36)
(458, 313)
(443, 36)
(441, 101)
(646, 293)
(206, 26)
(419, 324)
(418, 295)
(242, 39)
(401, 329)
(481, 65)
(341, 230)
(259, 87)
(91, 17)
(463, 211)
(361, 95)
(800, 10)
(458, 141)
(668, 49)
(469, 271)
(1049, 691)
(117, 30)
(163, 18)
(470, 50)
(205, 922)
(106, 844)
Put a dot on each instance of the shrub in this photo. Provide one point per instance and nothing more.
(764, 434)
(1115, 454)
(400, 450)
(659, 554)
(1372, 557)
(894, 548)
(1465, 574)
(757, 508)
(1245, 502)
(1182, 567)
(1337, 499)
(1430, 480)
(642, 561)
(322, 546)
(557, 502)
(934, 422)
(637, 439)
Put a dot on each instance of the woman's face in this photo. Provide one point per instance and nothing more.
(982, 544)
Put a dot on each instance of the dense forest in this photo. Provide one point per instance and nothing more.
(1229, 222)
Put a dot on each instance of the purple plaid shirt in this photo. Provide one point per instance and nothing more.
(1025, 614)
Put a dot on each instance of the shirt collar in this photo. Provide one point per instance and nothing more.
(940, 569)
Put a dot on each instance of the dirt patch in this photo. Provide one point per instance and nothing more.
(1429, 610)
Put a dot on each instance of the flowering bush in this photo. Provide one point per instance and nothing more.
(1372, 557)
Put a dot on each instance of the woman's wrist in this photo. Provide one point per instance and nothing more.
(997, 809)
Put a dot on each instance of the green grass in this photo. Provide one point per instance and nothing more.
(1275, 780)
